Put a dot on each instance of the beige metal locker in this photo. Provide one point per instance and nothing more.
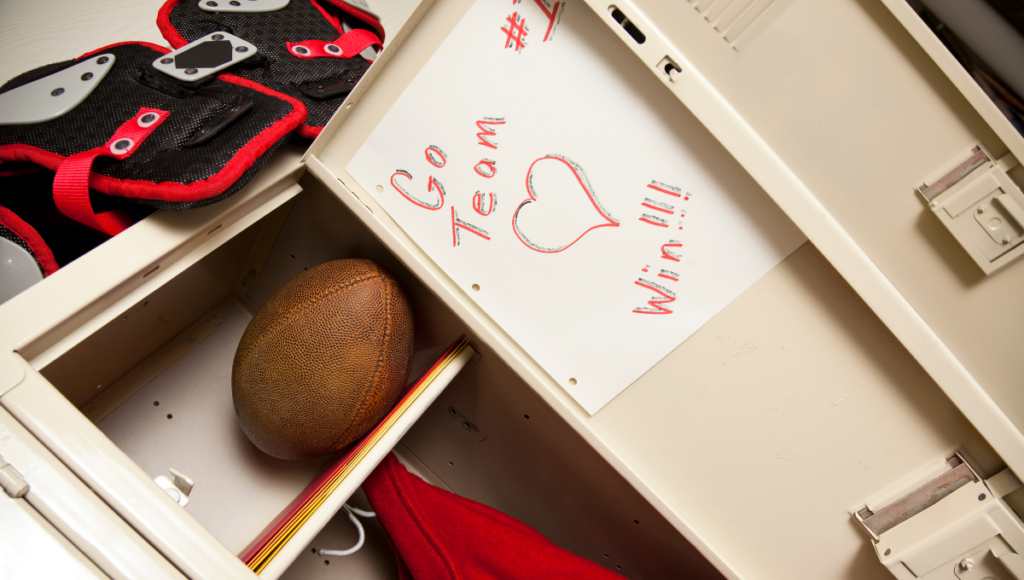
(844, 379)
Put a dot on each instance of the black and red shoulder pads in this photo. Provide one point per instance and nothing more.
(309, 49)
(147, 137)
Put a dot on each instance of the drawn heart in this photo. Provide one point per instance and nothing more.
(561, 206)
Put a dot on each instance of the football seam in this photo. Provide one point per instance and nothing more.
(361, 409)
(303, 306)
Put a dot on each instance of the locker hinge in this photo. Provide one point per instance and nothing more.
(981, 206)
(955, 526)
(12, 481)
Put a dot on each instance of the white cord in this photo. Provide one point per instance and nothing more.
(352, 513)
(361, 513)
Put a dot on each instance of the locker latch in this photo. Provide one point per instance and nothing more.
(982, 207)
(178, 487)
(12, 481)
(953, 527)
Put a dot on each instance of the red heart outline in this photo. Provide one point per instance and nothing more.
(581, 178)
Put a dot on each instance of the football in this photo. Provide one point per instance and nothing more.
(323, 360)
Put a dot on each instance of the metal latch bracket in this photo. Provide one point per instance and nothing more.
(982, 207)
(955, 526)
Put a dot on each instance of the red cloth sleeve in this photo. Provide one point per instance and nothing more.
(440, 535)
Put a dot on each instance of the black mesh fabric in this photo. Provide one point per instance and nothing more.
(162, 157)
(278, 68)
(9, 235)
(242, 181)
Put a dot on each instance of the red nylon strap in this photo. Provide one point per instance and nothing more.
(348, 45)
(334, 20)
(71, 183)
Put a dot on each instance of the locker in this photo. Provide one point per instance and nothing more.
(875, 360)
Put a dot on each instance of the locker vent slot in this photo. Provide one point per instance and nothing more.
(739, 20)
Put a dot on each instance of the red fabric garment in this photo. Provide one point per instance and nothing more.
(440, 535)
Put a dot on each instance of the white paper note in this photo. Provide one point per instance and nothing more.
(569, 193)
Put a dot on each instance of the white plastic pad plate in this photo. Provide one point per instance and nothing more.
(18, 270)
(242, 5)
(50, 97)
(205, 56)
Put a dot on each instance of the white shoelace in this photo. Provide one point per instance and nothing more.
(352, 513)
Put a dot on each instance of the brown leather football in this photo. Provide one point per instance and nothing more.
(324, 360)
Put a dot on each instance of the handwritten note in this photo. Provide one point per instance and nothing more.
(570, 194)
